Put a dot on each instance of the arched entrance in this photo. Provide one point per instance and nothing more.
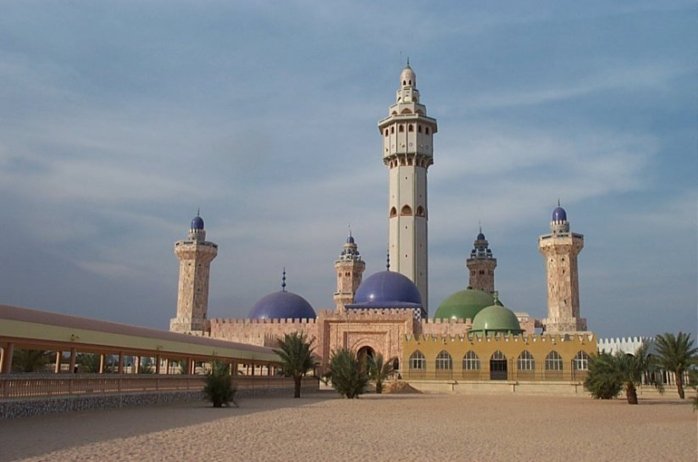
(498, 366)
(365, 353)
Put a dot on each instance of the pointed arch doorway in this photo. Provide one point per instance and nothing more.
(498, 366)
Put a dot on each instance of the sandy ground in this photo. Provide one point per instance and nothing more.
(322, 427)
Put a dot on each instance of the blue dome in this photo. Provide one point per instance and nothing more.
(387, 289)
(282, 305)
(559, 214)
(350, 239)
(480, 236)
(197, 223)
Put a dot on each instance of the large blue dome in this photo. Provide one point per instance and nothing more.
(559, 214)
(387, 289)
(282, 305)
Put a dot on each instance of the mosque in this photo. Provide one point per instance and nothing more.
(471, 334)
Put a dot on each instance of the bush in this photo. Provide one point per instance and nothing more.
(348, 375)
(219, 389)
(603, 380)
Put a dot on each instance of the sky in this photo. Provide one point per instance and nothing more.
(119, 120)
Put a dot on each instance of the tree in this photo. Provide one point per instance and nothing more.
(219, 389)
(29, 360)
(603, 380)
(297, 358)
(608, 374)
(676, 354)
(379, 371)
(89, 362)
(348, 375)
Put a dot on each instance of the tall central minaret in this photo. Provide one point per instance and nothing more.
(408, 152)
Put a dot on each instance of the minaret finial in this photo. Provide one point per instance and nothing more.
(479, 224)
(198, 211)
(349, 230)
(283, 280)
(495, 295)
(387, 260)
(408, 61)
(558, 202)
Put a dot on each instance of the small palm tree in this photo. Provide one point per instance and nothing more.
(603, 380)
(676, 354)
(297, 358)
(348, 375)
(219, 387)
(29, 360)
(631, 368)
(379, 370)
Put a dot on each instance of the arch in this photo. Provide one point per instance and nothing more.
(581, 361)
(420, 211)
(498, 366)
(444, 361)
(393, 212)
(401, 128)
(526, 362)
(471, 361)
(553, 361)
(364, 353)
(417, 361)
(406, 111)
(410, 127)
(406, 210)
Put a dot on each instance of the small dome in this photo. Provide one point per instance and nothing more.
(387, 289)
(407, 77)
(282, 305)
(496, 318)
(464, 304)
(559, 214)
(350, 239)
(197, 223)
(480, 236)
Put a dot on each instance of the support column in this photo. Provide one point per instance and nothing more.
(138, 364)
(57, 368)
(7, 352)
(157, 364)
(120, 366)
(73, 360)
(101, 363)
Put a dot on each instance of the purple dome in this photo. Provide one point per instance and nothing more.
(387, 289)
(282, 305)
(480, 236)
(559, 214)
(197, 223)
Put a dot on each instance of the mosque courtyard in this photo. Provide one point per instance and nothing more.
(321, 427)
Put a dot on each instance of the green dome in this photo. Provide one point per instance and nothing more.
(496, 318)
(464, 304)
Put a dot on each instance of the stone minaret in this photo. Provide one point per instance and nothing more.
(481, 265)
(560, 249)
(195, 255)
(350, 268)
(408, 149)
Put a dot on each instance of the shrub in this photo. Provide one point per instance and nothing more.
(348, 376)
(219, 389)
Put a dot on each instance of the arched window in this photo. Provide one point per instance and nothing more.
(406, 111)
(406, 210)
(419, 129)
(392, 129)
(401, 128)
(426, 130)
(525, 361)
(553, 362)
(393, 212)
(404, 83)
(420, 211)
(581, 361)
(418, 361)
(386, 132)
(471, 362)
(444, 361)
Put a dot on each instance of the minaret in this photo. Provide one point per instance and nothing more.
(481, 265)
(408, 152)
(350, 268)
(560, 249)
(195, 255)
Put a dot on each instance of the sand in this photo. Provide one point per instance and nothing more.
(323, 427)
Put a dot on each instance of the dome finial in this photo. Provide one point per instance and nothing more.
(283, 280)
(387, 260)
(495, 295)
(408, 61)
(558, 202)
(198, 211)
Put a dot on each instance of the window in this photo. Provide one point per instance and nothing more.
(525, 362)
(401, 128)
(420, 211)
(553, 362)
(418, 361)
(444, 361)
(392, 129)
(581, 361)
(393, 212)
(406, 210)
(410, 128)
(471, 362)
(419, 128)
(426, 130)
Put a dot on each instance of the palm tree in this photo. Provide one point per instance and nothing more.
(89, 362)
(603, 380)
(379, 371)
(676, 354)
(297, 358)
(29, 360)
(348, 375)
(631, 369)
(219, 387)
